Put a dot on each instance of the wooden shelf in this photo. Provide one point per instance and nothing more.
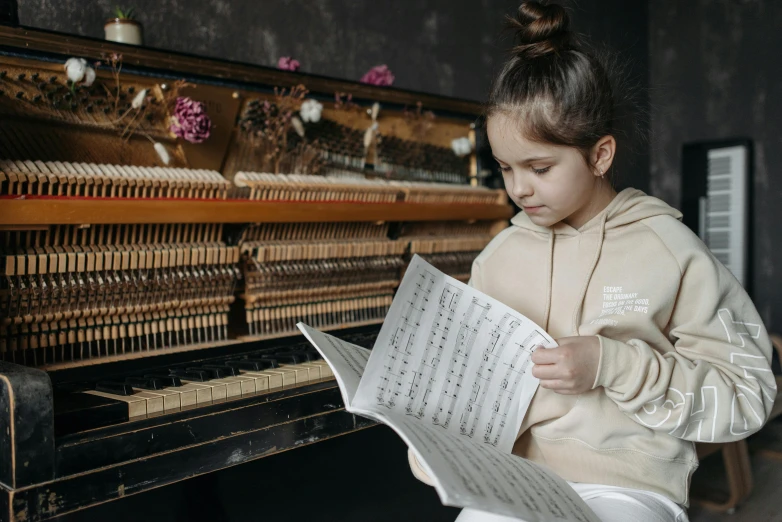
(95, 211)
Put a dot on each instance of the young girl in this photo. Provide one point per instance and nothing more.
(659, 346)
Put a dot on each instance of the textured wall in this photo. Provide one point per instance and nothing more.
(715, 74)
(449, 47)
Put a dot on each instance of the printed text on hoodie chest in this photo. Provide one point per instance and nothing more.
(617, 300)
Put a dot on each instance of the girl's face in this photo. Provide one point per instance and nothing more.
(552, 183)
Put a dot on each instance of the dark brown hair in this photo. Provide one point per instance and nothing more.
(559, 90)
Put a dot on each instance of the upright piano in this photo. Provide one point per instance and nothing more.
(153, 266)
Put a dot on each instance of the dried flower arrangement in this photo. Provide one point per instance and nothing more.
(276, 134)
(182, 116)
(419, 122)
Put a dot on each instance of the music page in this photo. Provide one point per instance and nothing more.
(450, 373)
(347, 360)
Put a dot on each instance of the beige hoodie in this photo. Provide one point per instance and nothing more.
(684, 356)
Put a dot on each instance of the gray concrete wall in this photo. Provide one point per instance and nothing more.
(714, 74)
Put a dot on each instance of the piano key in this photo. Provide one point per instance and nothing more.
(301, 373)
(217, 391)
(245, 365)
(192, 394)
(325, 369)
(232, 388)
(212, 372)
(265, 362)
(247, 384)
(274, 379)
(288, 376)
(228, 370)
(188, 395)
(116, 388)
(302, 355)
(199, 376)
(287, 358)
(167, 380)
(139, 402)
(315, 370)
(145, 383)
(172, 400)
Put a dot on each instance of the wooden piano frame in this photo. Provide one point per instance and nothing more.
(43, 476)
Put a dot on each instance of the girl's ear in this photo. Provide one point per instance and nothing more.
(602, 155)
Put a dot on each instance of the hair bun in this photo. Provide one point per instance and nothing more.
(540, 29)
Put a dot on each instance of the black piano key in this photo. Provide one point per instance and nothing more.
(266, 362)
(145, 383)
(213, 373)
(199, 375)
(303, 355)
(254, 366)
(227, 370)
(315, 354)
(288, 358)
(167, 380)
(117, 388)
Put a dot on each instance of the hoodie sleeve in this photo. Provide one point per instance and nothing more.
(714, 382)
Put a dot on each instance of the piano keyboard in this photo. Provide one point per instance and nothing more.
(196, 385)
(723, 220)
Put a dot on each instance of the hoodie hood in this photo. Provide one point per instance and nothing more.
(629, 206)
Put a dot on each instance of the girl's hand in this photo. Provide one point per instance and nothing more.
(571, 367)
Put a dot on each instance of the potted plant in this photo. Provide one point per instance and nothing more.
(123, 28)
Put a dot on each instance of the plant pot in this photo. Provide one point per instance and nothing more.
(123, 30)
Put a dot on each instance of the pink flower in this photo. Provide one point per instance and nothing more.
(286, 63)
(378, 75)
(190, 121)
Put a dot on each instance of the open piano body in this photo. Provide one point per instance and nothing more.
(148, 297)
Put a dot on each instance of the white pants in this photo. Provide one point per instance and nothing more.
(610, 504)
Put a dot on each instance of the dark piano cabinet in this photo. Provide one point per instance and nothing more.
(43, 479)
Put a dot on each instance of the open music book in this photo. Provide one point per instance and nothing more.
(450, 373)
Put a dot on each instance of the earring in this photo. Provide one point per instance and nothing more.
(602, 173)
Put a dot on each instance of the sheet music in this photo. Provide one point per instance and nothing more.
(450, 373)
(347, 360)
(454, 358)
(480, 476)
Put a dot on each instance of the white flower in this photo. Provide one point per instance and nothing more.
(297, 126)
(461, 146)
(162, 152)
(75, 69)
(138, 101)
(369, 135)
(310, 110)
(89, 76)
